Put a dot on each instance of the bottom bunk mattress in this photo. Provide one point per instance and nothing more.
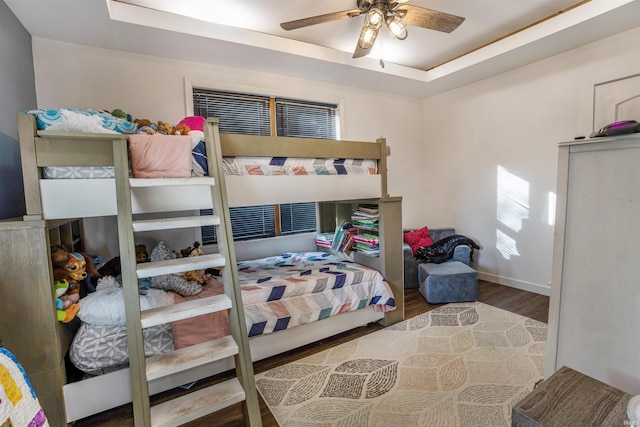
(278, 293)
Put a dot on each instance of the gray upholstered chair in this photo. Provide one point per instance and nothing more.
(451, 281)
(461, 253)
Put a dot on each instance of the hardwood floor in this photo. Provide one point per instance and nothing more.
(514, 300)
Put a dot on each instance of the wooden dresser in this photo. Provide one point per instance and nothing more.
(594, 311)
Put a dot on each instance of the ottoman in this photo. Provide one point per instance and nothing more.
(451, 281)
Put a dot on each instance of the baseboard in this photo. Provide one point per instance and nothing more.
(518, 284)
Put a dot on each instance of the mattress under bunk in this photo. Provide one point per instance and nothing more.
(289, 300)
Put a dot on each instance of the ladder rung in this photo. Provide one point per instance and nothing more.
(197, 404)
(179, 265)
(171, 182)
(184, 310)
(167, 364)
(171, 223)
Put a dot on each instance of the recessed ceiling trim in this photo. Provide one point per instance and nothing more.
(548, 27)
(580, 3)
(121, 10)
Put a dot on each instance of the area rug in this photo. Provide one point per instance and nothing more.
(462, 364)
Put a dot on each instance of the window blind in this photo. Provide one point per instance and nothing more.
(251, 114)
(306, 119)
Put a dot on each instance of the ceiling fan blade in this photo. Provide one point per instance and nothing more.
(428, 18)
(320, 19)
(359, 52)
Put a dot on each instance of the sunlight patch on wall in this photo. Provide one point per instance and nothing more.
(511, 210)
(551, 200)
(513, 199)
(506, 245)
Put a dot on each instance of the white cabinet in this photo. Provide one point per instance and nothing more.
(594, 315)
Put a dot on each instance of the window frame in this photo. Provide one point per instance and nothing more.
(330, 125)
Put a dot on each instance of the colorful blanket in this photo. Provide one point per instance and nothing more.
(277, 292)
(292, 289)
(297, 166)
(19, 405)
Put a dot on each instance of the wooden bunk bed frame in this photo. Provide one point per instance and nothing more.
(50, 199)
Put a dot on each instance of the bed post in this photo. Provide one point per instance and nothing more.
(382, 167)
(27, 132)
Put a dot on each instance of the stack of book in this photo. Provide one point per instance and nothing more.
(343, 238)
(324, 239)
(366, 218)
(367, 244)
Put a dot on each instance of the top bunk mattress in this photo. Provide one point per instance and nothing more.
(150, 148)
(237, 166)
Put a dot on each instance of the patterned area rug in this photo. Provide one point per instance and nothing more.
(463, 364)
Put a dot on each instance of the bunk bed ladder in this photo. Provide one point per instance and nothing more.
(239, 389)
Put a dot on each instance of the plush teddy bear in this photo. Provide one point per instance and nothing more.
(182, 130)
(198, 276)
(145, 126)
(166, 128)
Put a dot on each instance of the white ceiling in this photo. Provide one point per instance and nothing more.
(497, 35)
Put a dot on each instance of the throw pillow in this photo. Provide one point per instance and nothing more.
(418, 238)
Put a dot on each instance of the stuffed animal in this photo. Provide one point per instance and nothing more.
(182, 130)
(113, 267)
(121, 114)
(143, 122)
(195, 124)
(198, 276)
(166, 128)
(145, 126)
(66, 304)
(74, 267)
(171, 282)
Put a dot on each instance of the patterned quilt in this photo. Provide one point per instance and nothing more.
(292, 289)
(297, 166)
(278, 293)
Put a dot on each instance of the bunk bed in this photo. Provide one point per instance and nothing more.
(54, 199)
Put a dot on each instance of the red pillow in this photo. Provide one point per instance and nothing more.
(418, 238)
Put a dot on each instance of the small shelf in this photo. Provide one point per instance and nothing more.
(389, 261)
(67, 233)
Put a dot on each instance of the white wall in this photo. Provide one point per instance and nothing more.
(70, 75)
(514, 121)
(446, 150)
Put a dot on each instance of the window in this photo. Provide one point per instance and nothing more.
(263, 115)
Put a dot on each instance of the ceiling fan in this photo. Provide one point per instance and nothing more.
(395, 14)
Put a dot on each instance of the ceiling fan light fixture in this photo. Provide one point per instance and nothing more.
(367, 37)
(372, 23)
(374, 18)
(396, 27)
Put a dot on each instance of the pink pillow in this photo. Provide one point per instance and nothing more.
(160, 156)
(418, 238)
(193, 122)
